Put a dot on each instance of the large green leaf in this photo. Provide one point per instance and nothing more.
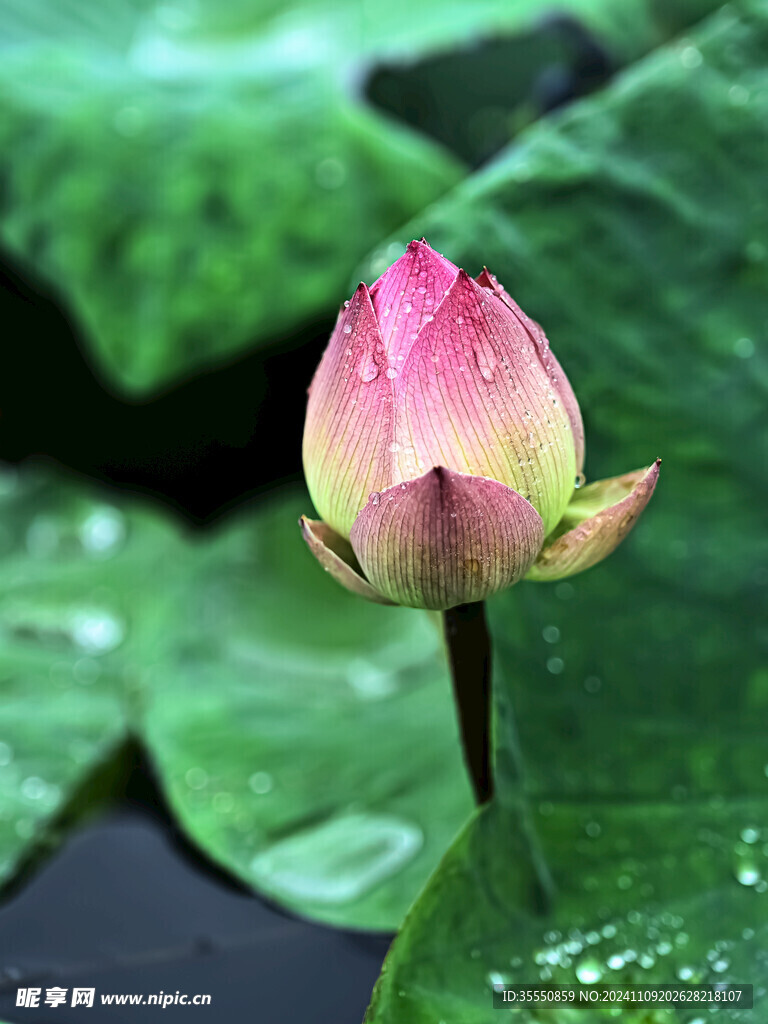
(195, 178)
(306, 740)
(633, 228)
(190, 183)
(73, 569)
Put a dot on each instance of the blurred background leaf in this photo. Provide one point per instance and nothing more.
(74, 569)
(198, 179)
(633, 227)
(285, 719)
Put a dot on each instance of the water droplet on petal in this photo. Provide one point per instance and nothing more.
(579, 481)
(486, 362)
(391, 372)
(369, 371)
(347, 328)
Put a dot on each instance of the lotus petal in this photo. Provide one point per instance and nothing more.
(336, 556)
(446, 539)
(348, 429)
(596, 521)
(555, 371)
(474, 396)
(407, 293)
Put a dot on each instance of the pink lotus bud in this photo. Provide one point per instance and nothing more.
(443, 444)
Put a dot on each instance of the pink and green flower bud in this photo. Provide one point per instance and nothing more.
(442, 441)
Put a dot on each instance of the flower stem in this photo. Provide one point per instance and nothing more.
(469, 654)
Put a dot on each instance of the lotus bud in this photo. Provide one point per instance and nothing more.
(443, 446)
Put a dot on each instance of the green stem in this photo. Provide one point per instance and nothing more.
(469, 655)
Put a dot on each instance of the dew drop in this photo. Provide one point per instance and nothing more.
(103, 531)
(261, 783)
(369, 371)
(588, 971)
(486, 363)
(347, 328)
(34, 788)
(691, 57)
(391, 372)
(370, 681)
(394, 447)
(747, 873)
(579, 481)
(97, 632)
(196, 778)
(339, 860)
